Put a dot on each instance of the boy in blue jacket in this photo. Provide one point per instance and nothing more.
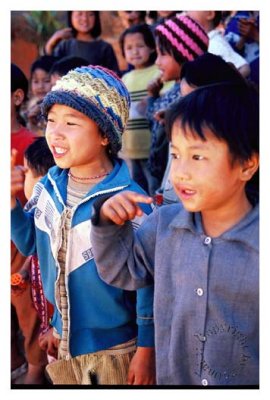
(100, 339)
(202, 253)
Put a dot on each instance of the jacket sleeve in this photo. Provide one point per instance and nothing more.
(23, 230)
(145, 316)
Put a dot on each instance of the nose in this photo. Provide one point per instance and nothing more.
(55, 132)
(180, 171)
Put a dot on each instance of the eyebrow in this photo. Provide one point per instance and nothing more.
(193, 147)
(70, 114)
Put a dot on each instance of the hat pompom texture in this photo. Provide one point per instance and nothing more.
(98, 93)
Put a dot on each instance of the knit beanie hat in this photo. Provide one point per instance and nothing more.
(184, 36)
(98, 93)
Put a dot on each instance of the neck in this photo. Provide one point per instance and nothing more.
(84, 37)
(91, 173)
(216, 223)
(15, 125)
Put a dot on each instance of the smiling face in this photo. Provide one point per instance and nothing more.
(83, 21)
(137, 53)
(75, 141)
(203, 174)
(168, 66)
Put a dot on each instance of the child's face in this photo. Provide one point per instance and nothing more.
(74, 139)
(30, 180)
(136, 52)
(40, 83)
(202, 173)
(83, 21)
(168, 66)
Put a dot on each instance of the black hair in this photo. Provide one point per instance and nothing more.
(39, 157)
(18, 80)
(95, 32)
(165, 47)
(44, 62)
(209, 68)
(65, 64)
(148, 37)
(229, 110)
(217, 18)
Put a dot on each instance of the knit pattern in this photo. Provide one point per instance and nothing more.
(98, 93)
(185, 35)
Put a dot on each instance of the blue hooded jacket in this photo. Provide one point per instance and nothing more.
(100, 316)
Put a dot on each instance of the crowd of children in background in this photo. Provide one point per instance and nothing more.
(89, 144)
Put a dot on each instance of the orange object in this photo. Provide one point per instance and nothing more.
(18, 280)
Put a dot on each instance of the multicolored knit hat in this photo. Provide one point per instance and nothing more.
(98, 93)
(184, 36)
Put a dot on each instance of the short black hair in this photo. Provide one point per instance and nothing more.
(209, 68)
(44, 62)
(230, 110)
(149, 39)
(95, 32)
(65, 64)
(39, 157)
(217, 18)
(18, 80)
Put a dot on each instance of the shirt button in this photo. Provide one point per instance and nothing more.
(199, 291)
(204, 382)
(207, 240)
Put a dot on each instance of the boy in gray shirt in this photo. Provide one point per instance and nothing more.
(202, 254)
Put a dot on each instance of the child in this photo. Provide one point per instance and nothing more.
(218, 45)
(23, 316)
(204, 70)
(179, 39)
(82, 39)
(203, 254)
(37, 160)
(87, 111)
(139, 49)
(64, 65)
(40, 85)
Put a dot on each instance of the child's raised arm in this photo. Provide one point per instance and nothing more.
(123, 207)
(17, 178)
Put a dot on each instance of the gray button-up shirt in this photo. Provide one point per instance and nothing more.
(206, 300)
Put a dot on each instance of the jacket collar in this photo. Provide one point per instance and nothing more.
(119, 177)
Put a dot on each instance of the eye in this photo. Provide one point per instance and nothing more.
(175, 156)
(71, 123)
(50, 119)
(197, 157)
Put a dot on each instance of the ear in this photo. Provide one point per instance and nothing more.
(18, 97)
(105, 141)
(210, 15)
(249, 167)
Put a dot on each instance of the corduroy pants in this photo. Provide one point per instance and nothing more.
(106, 367)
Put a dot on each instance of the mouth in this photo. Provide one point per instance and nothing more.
(186, 193)
(58, 151)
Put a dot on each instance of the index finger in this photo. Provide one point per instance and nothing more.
(138, 197)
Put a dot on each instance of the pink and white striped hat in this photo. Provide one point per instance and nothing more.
(184, 36)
